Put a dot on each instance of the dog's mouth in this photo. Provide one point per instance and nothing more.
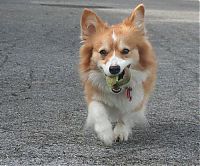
(121, 75)
(115, 88)
(116, 82)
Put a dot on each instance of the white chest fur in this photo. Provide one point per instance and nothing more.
(120, 101)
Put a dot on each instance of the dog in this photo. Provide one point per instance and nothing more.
(111, 52)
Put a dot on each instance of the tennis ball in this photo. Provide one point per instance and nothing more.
(116, 81)
(111, 81)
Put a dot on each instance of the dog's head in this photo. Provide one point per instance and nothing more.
(114, 47)
(111, 49)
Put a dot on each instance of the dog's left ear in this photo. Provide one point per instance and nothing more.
(136, 18)
(90, 24)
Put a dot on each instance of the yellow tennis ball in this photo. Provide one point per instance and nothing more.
(111, 81)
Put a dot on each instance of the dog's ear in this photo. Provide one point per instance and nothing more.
(136, 18)
(90, 24)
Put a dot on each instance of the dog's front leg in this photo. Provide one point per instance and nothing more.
(98, 118)
(124, 126)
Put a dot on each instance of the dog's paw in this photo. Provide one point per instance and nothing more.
(121, 132)
(105, 134)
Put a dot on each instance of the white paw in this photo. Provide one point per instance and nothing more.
(121, 132)
(105, 133)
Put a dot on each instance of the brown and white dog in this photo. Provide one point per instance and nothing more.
(108, 51)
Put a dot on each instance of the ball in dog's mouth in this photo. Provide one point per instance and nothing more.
(115, 88)
(115, 82)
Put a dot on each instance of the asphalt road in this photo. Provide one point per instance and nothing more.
(42, 109)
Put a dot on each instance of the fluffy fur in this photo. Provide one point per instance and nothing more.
(104, 106)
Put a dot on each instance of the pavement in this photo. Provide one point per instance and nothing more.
(42, 109)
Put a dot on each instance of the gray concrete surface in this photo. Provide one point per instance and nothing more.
(42, 109)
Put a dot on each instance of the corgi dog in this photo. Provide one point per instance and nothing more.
(110, 52)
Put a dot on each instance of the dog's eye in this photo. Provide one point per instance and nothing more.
(125, 51)
(103, 52)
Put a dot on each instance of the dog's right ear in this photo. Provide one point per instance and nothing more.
(136, 18)
(90, 24)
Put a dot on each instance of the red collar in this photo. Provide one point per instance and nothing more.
(128, 93)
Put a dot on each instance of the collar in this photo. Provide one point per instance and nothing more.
(128, 93)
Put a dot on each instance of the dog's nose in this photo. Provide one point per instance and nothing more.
(114, 69)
